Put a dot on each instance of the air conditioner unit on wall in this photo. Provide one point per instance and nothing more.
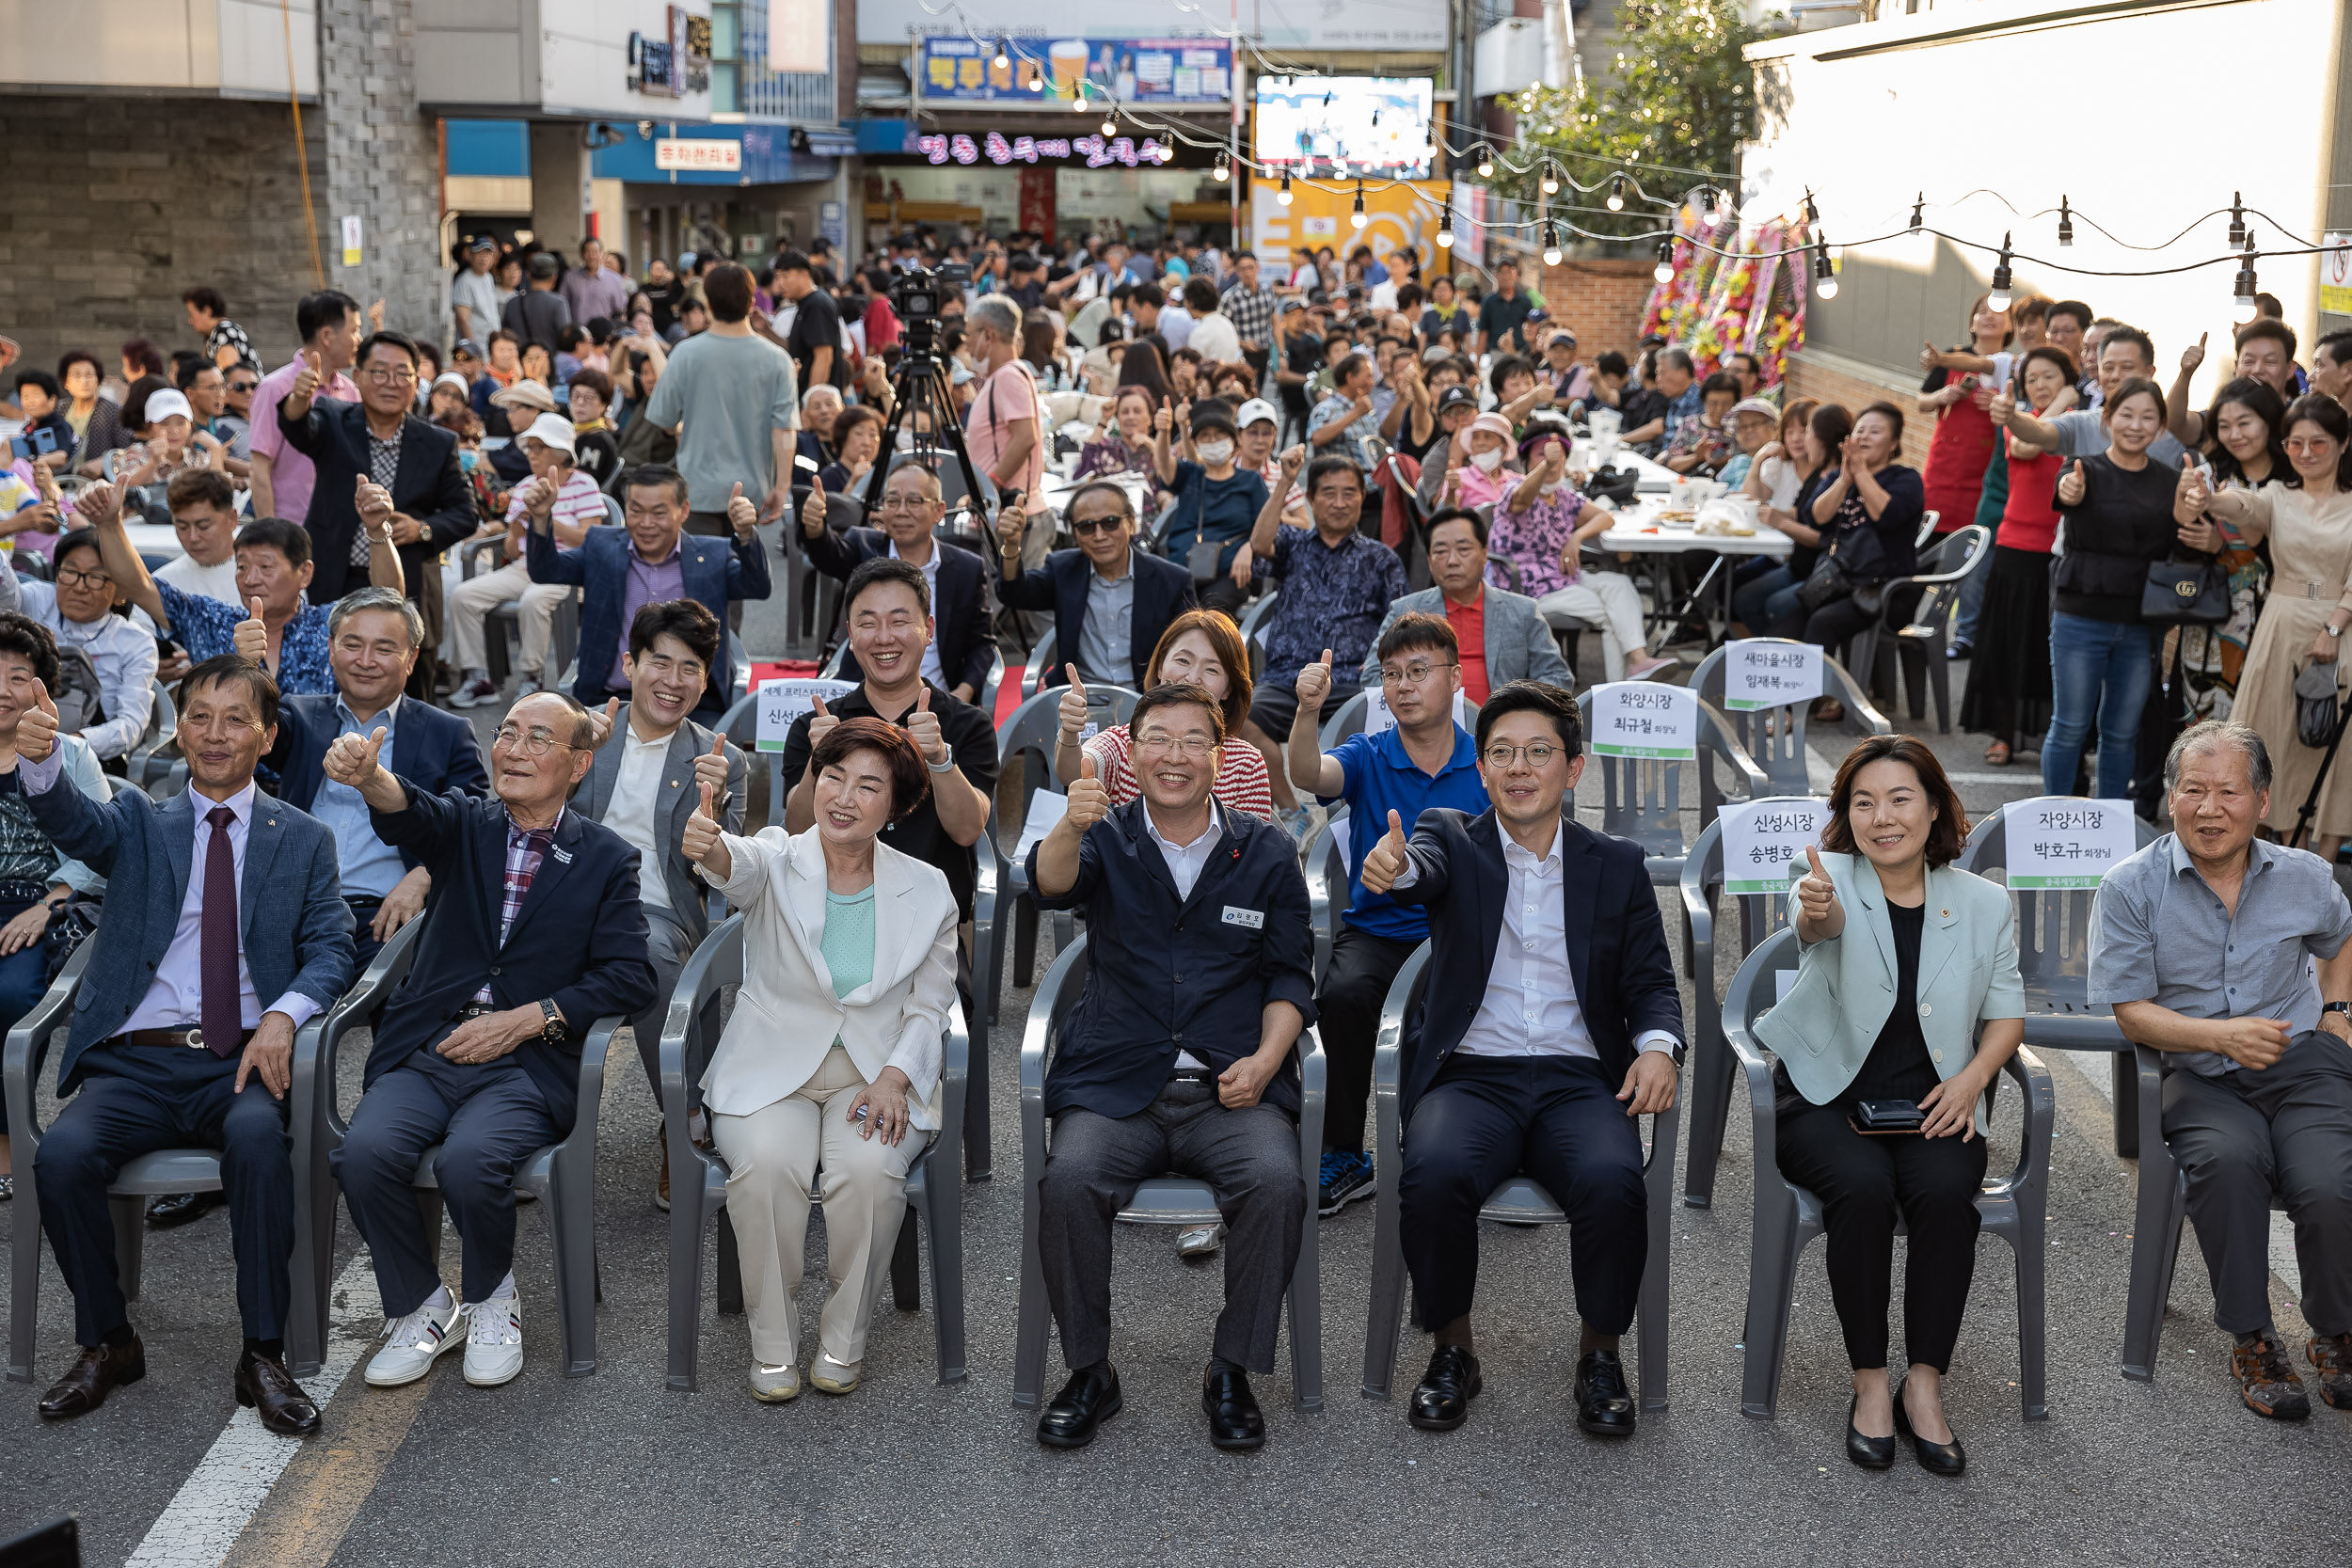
(1511, 55)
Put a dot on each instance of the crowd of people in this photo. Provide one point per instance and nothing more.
(1331, 433)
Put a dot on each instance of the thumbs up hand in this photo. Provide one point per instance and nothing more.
(37, 729)
(1817, 899)
(2072, 484)
(251, 637)
(306, 383)
(923, 729)
(352, 759)
(710, 768)
(742, 515)
(1073, 706)
(820, 723)
(1090, 802)
(702, 826)
(600, 721)
(1314, 683)
(1387, 858)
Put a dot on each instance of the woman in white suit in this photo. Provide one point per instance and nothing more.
(1907, 992)
(831, 1058)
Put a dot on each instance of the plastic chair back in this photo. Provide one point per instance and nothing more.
(1776, 736)
(1642, 798)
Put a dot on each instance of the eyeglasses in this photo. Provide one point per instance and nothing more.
(68, 576)
(538, 743)
(901, 503)
(243, 386)
(392, 377)
(1158, 745)
(1415, 673)
(1536, 755)
(1100, 525)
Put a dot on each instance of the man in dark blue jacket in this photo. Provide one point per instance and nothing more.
(533, 933)
(1547, 1021)
(1111, 601)
(1177, 1056)
(963, 645)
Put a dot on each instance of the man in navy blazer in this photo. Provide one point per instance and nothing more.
(1111, 601)
(1200, 978)
(963, 648)
(533, 932)
(1547, 1021)
(372, 638)
(224, 934)
(650, 559)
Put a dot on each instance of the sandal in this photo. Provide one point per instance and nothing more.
(1829, 710)
(1998, 755)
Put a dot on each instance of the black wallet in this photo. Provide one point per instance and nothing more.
(1880, 1118)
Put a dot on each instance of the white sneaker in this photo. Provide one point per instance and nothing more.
(475, 692)
(835, 1377)
(776, 1385)
(528, 687)
(493, 1341)
(416, 1341)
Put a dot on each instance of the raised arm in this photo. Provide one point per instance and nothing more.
(1310, 766)
(1269, 523)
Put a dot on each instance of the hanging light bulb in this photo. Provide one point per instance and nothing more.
(1486, 162)
(1286, 187)
(1998, 299)
(1003, 60)
(1079, 102)
(1110, 123)
(1551, 178)
(1917, 210)
(2244, 308)
(1168, 152)
(1224, 170)
(1355, 218)
(1616, 193)
(1552, 244)
(1825, 275)
(2066, 225)
(1710, 200)
(1037, 77)
(1812, 213)
(2237, 219)
(1445, 226)
(1664, 270)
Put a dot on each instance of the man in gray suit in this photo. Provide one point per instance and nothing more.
(226, 931)
(651, 760)
(1502, 638)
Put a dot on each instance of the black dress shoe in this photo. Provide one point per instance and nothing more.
(267, 1389)
(1941, 1459)
(1603, 1405)
(1085, 1401)
(84, 1386)
(1235, 1419)
(1441, 1401)
(1872, 1453)
(180, 1208)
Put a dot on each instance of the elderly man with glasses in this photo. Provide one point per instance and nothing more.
(1111, 601)
(964, 649)
(535, 930)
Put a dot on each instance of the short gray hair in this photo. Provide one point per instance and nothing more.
(998, 314)
(821, 392)
(374, 597)
(2214, 733)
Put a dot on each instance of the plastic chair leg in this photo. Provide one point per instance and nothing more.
(24, 1269)
(688, 1222)
(947, 1235)
(572, 1218)
(2156, 1244)
(1023, 942)
(1712, 1068)
(1306, 1293)
(2126, 1106)
(1028, 1362)
(979, 1145)
(2032, 1319)
(129, 1213)
(906, 1263)
(1658, 1268)
(1772, 1279)
(1384, 1324)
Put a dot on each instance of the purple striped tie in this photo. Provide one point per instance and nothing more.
(216, 949)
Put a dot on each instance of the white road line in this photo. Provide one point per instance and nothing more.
(222, 1493)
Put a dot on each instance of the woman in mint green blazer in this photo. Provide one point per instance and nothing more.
(1907, 991)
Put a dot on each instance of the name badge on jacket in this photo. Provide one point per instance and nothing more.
(1254, 919)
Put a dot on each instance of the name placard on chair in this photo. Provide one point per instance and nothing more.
(1764, 839)
(2067, 843)
(1640, 718)
(1768, 672)
(782, 703)
(1379, 717)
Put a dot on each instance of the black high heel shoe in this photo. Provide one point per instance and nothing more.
(1941, 1459)
(1872, 1453)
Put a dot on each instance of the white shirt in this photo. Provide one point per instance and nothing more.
(206, 582)
(1216, 338)
(1175, 328)
(630, 812)
(1530, 1006)
(123, 655)
(931, 669)
(1185, 862)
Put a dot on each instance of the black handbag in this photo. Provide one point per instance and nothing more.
(1830, 581)
(2186, 594)
(2315, 710)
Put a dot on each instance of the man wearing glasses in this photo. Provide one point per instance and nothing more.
(381, 441)
(960, 655)
(1550, 1021)
(1423, 759)
(1111, 601)
(535, 931)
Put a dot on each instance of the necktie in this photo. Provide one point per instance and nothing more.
(216, 948)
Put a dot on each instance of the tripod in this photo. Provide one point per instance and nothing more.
(920, 381)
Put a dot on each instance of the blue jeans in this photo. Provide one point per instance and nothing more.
(2096, 669)
(1972, 598)
(1751, 602)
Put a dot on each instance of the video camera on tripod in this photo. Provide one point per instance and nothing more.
(916, 297)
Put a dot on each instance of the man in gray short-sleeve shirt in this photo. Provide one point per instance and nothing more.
(2229, 955)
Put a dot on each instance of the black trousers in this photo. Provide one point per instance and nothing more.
(1865, 1184)
(1348, 1015)
(1557, 1119)
(133, 1100)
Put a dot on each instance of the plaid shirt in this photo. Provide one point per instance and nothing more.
(1251, 311)
(526, 848)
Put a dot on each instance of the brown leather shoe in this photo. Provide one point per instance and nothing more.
(2266, 1381)
(84, 1386)
(2332, 1356)
(264, 1387)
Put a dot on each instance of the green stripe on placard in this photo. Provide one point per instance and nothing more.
(1651, 753)
(2067, 884)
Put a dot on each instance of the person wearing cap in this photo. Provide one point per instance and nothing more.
(1754, 423)
(539, 312)
(1216, 501)
(1572, 381)
(172, 446)
(566, 497)
(473, 298)
(451, 391)
(1258, 424)
(1476, 471)
(328, 324)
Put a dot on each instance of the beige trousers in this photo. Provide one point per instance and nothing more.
(774, 1156)
(1611, 599)
(475, 597)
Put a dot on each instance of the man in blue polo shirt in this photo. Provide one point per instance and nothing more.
(1425, 760)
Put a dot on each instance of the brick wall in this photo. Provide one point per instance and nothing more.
(1599, 300)
(1833, 378)
(382, 163)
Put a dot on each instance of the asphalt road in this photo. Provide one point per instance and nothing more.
(617, 1469)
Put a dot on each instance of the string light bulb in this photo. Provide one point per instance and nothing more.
(1486, 162)
(2244, 306)
(1110, 124)
(1552, 244)
(1355, 218)
(1285, 197)
(1664, 270)
(1825, 275)
(1037, 77)
(1919, 210)
(2237, 219)
(1812, 213)
(1998, 299)
(1550, 181)
(1003, 60)
(1168, 152)
(1079, 102)
(1224, 168)
(1445, 226)
(1616, 193)
(1710, 204)
(2066, 225)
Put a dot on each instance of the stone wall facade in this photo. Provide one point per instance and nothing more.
(382, 158)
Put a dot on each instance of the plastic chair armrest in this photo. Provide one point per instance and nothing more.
(1860, 710)
(1758, 1068)
(2033, 1155)
(28, 1047)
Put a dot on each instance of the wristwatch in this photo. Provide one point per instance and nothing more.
(551, 1028)
(2332, 629)
(947, 766)
(2343, 1007)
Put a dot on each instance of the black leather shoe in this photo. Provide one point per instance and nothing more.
(1872, 1453)
(1085, 1401)
(1603, 1405)
(180, 1208)
(1941, 1459)
(270, 1391)
(84, 1386)
(1235, 1419)
(1441, 1401)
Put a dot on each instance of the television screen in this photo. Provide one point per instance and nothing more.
(1346, 125)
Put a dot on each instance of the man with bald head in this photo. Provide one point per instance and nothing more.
(909, 511)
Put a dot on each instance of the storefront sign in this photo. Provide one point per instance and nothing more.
(702, 153)
(999, 149)
(1156, 73)
(2335, 274)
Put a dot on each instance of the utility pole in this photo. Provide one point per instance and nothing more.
(1233, 138)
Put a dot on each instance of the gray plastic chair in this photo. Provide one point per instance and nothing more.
(1345, 721)
(165, 1170)
(1787, 1216)
(1327, 887)
(934, 1188)
(1641, 797)
(1041, 658)
(1941, 570)
(1520, 1200)
(2053, 959)
(1159, 1200)
(741, 724)
(1776, 736)
(157, 758)
(562, 1175)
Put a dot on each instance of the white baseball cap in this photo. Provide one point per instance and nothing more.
(1255, 409)
(164, 401)
(552, 430)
